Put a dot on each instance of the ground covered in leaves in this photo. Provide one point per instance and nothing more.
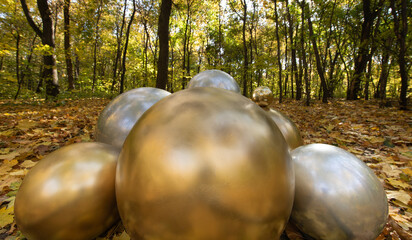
(381, 137)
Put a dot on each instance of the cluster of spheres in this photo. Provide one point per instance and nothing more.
(202, 163)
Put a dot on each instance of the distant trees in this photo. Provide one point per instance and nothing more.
(354, 49)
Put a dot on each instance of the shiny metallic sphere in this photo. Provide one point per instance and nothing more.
(205, 163)
(69, 194)
(120, 115)
(287, 127)
(263, 96)
(214, 78)
(337, 196)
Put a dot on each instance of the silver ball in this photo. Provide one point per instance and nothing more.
(287, 127)
(263, 96)
(214, 78)
(337, 196)
(120, 115)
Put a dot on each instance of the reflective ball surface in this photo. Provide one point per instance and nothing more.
(214, 78)
(205, 163)
(337, 196)
(119, 116)
(287, 127)
(262, 96)
(69, 194)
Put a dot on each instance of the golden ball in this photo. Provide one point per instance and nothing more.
(69, 194)
(205, 163)
(288, 128)
(263, 96)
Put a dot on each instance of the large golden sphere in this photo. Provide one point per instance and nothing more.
(214, 78)
(205, 163)
(287, 127)
(120, 115)
(69, 194)
(263, 96)
(337, 196)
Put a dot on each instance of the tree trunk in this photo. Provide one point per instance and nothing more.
(19, 82)
(47, 35)
(245, 54)
(286, 63)
(67, 45)
(368, 79)
(27, 69)
(305, 64)
(96, 40)
(383, 78)
(278, 51)
(186, 39)
(119, 35)
(125, 48)
(294, 72)
(163, 33)
(319, 66)
(361, 59)
(401, 30)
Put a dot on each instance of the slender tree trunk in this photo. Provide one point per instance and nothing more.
(319, 66)
(163, 33)
(286, 63)
(278, 51)
(27, 68)
(67, 45)
(186, 37)
(18, 65)
(383, 78)
(305, 64)
(145, 60)
(122, 78)
(96, 41)
(220, 61)
(119, 36)
(368, 79)
(245, 50)
(294, 72)
(401, 30)
(76, 67)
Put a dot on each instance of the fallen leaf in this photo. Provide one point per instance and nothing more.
(397, 184)
(28, 164)
(123, 236)
(6, 216)
(26, 124)
(7, 133)
(9, 156)
(401, 196)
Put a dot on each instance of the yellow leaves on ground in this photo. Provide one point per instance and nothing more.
(26, 124)
(6, 216)
(380, 137)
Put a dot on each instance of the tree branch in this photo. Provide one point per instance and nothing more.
(30, 19)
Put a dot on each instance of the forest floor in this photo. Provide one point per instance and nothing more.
(381, 137)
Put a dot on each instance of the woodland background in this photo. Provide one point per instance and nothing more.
(300, 49)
